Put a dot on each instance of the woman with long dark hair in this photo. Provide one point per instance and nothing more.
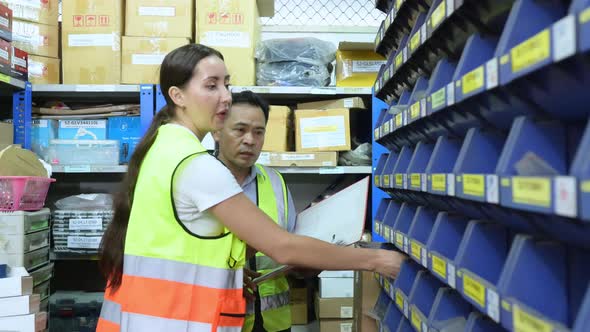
(174, 252)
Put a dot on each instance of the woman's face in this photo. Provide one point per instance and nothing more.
(208, 98)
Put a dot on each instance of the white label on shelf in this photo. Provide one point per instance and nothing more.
(405, 54)
(91, 40)
(450, 7)
(492, 73)
(226, 39)
(306, 156)
(406, 245)
(391, 235)
(346, 312)
(451, 184)
(424, 327)
(345, 327)
(566, 200)
(405, 182)
(331, 170)
(85, 224)
(40, 123)
(451, 94)
(264, 158)
(147, 59)
(366, 66)
(424, 182)
(564, 38)
(492, 189)
(156, 11)
(424, 258)
(423, 107)
(406, 309)
(391, 124)
(423, 33)
(348, 102)
(77, 169)
(84, 242)
(83, 124)
(323, 131)
(451, 275)
(493, 305)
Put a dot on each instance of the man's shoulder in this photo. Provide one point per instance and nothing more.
(269, 170)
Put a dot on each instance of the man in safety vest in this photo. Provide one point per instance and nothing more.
(239, 145)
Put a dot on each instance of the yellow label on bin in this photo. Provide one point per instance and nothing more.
(386, 180)
(474, 290)
(415, 41)
(473, 185)
(386, 284)
(398, 120)
(415, 111)
(585, 16)
(416, 320)
(525, 322)
(399, 299)
(531, 51)
(4, 78)
(416, 250)
(386, 127)
(399, 239)
(585, 186)
(439, 98)
(399, 180)
(376, 133)
(531, 191)
(399, 60)
(439, 182)
(438, 15)
(473, 80)
(415, 180)
(377, 180)
(439, 266)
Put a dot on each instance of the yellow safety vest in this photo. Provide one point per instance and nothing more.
(274, 293)
(173, 280)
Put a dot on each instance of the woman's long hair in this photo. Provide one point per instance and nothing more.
(177, 69)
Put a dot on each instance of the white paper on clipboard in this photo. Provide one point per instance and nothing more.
(339, 219)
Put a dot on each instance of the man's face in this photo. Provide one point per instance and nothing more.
(242, 136)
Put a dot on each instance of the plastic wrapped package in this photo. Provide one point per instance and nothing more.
(361, 156)
(292, 73)
(312, 51)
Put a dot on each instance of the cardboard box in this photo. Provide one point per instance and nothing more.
(299, 313)
(334, 307)
(142, 57)
(43, 132)
(298, 295)
(19, 64)
(5, 22)
(352, 102)
(36, 38)
(336, 325)
(44, 12)
(322, 130)
(43, 70)
(91, 41)
(126, 130)
(279, 129)
(5, 57)
(233, 28)
(6, 134)
(336, 287)
(357, 64)
(366, 290)
(82, 129)
(159, 18)
(297, 159)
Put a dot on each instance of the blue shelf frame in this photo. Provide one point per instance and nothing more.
(22, 103)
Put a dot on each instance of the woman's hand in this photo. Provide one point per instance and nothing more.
(389, 262)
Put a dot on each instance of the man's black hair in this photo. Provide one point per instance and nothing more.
(250, 98)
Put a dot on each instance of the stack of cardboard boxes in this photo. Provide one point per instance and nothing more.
(19, 307)
(334, 301)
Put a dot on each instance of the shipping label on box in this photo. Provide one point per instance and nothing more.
(43, 70)
(334, 307)
(5, 22)
(159, 18)
(126, 130)
(357, 64)
(297, 159)
(336, 287)
(351, 102)
(39, 11)
(322, 130)
(19, 64)
(35, 38)
(82, 129)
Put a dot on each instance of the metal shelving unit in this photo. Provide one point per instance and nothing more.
(481, 150)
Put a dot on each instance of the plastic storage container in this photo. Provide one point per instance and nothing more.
(74, 311)
(75, 152)
(79, 231)
(23, 192)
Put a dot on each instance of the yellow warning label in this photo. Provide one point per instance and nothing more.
(399, 180)
(439, 182)
(531, 191)
(473, 185)
(505, 182)
(399, 300)
(399, 60)
(525, 322)
(438, 15)
(440, 266)
(585, 186)
(398, 120)
(415, 180)
(531, 51)
(585, 16)
(416, 250)
(399, 239)
(473, 80)
(439, 98)
(4, 78)
(415, 111)
(416, 320)
(415, 41)
(386, 180)
(474, 290)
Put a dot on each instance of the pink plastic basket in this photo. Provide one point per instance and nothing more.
(23, 192)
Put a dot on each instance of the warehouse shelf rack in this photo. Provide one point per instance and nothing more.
(506, 175)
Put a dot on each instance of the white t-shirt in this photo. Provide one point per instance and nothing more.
(204, 182)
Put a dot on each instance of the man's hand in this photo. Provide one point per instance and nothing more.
(249, 286)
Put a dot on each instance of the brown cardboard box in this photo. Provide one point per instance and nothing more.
(159, 18)
(352, 102)
(233, 28)
(357, 64)
(43, 70)
(322, 130)
(333, 307)
(91, 41)
(299, 313)
(297, 159)
(279, 129)
(298, 295)
(36, 38)
(336, 325)
(44, 12)
(366, 290)
(5, 57)
(5, 22)
(142, 57)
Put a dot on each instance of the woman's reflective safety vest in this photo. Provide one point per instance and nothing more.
(274, 293)
(172, 279)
